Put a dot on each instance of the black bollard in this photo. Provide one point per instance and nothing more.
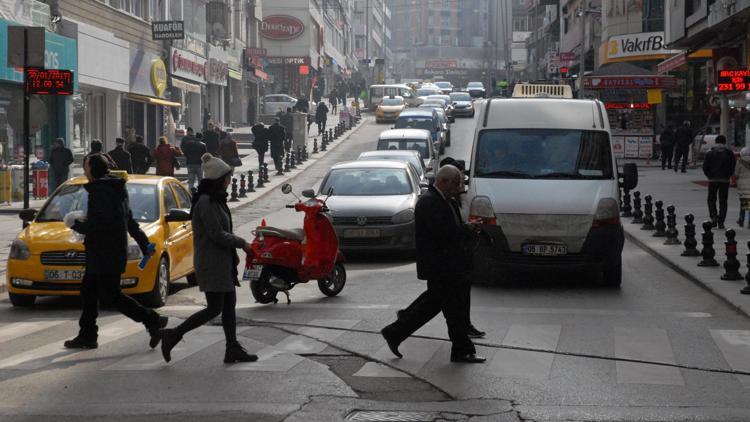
(305, 157)
(731, 265)
(250, 181)
(626, 208)
(299, 155)
(637, 213)
(287, 166)
(690, 241)
(324, 140)
(648, 214)
(708, 253)
(330, 135)
(660, 225)
(746, 290)
(293, 160)
(672, 233)
(266, 178)
(234, 191)
(261, 179)
(315, 146)
(243, 191)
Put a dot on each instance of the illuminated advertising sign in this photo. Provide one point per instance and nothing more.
(48, 81)
(733, 80)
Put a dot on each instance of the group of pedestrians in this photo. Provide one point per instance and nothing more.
(275, 136)
(676, 143)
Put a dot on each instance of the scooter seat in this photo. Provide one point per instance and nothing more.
(293, 234)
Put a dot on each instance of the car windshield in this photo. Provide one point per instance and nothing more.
(73, 197)
(414, 123)
(443, 84)
(460, 96)
(475, 85)
(367, 182)
(544, 154)
(423, 92)
(419, 145)
(392, 101)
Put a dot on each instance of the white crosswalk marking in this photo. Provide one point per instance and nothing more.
(735, 346)
(20, 329)
(270, 359)
(375, 369)
(416, 351)
(523, 364)
(300, 344)
(651, 344)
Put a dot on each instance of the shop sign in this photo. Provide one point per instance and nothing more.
(672, 63)
(281, 27)
(630, 82)
(218, 70)
(167, 30)
(188, 65)
(441, 63)
(446, 72)
(158, 76)
(567, 56)
(256, 52)
(733, 80)
(627, 106)
(641, 44)
(59, 53)
(148, 74)
(41, 81)
(288, 60)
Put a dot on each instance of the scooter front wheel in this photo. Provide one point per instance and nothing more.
(262, 290)
(334, 283)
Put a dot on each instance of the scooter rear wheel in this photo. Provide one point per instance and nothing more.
(262, 290)
(334, 283)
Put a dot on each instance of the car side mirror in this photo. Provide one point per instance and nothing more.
(308, 193)
(177, 215)
(629, 176)
(436, 145)
(27, 214)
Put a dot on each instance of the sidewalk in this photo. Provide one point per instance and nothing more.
(687, 192)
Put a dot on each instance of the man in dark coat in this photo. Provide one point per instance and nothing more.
(140, 156)
(121, 157)
(666, 143)
(260, 142)
(442, 262)
(718, 166)
(106, 225)
(193, 149)
(683, 139)
(321, 116)
(287, 121)
(211, 139)
(277, 135)
(60, 159)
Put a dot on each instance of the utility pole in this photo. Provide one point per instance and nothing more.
(26, 129)
(582, 70)
(367, 38)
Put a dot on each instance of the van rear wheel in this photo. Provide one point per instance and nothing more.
(613, 275)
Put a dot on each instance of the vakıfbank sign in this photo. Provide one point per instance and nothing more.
(641, 44)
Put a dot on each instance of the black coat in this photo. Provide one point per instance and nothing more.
(321, 114)
(440, 239)
(122, 159)
(211, 139)
(718, 166)
(260, 141)
(667, 138)
(193, 150)
(276, 135)
(683, 137)
(59, 159)
(108, 223)
(140, 156)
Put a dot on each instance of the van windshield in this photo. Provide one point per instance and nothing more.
(543, 154)
(419, 145)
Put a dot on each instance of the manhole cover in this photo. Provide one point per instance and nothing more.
(388, 415)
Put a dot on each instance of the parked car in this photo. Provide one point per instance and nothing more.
(476, 90)
(412, 157)
(463, 104)
(48, 259)
(423, 119)
(418, 140)
(389, 109)
(272, 103)
(372, 205)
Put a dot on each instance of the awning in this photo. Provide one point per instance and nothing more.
(152, 100)
(235, 74)
(186, 86)
(681, 59)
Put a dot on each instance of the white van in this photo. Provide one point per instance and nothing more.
(544, 179)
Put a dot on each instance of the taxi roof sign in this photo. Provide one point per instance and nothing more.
(542, 90)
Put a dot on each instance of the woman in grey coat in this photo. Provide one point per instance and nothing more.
(215, 258)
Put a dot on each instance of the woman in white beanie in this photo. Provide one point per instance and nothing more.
(215, 258)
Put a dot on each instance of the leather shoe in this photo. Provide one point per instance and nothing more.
(468, 358)
(392, 344)
(154, 329)
(474, 333)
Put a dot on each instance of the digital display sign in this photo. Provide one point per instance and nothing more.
(732, 80)
(48, 81)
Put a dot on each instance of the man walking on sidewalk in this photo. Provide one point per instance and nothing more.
(666, 141)
(718, 166)
(683, 139)
(193, 149)
(277, 135)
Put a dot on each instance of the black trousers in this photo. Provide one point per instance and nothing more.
(261, 158)
(722, 189)
(666, 156)
(105, 288)
(321, 126)
(681, 152)
(216, 303)
(446, 296)
(278, 161)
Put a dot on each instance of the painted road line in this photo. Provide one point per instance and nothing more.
(523, 364)
(735, 346)
(21, 329)
(651, 344)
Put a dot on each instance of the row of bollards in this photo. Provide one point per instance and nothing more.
(651, 216)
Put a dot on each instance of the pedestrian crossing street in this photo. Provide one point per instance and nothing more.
(652, 344)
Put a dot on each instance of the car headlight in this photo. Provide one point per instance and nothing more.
(134, 252)
(404, 216)
(19, 250)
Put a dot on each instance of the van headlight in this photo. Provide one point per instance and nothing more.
(19, 250)
(404, 216)
(481, 210)
(134, 252)
(607, 213)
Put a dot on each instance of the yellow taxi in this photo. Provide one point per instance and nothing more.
(389, 109)
(47, 258)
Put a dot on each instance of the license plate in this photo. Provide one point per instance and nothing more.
(63, 275)
(545, 250)
(362, 233)
(252, 273)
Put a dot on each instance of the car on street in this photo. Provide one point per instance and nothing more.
(424, 118)
(389, 109)
(426, 92)
(418, 140)
(412, 157)
(463, 104)
(445, 87)
(444, 122)
(447, 104)
(372, 204)
(48, 259)
(476, 90)
(272, 103)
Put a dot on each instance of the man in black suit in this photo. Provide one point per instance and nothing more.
(442, 262)
(277, 135)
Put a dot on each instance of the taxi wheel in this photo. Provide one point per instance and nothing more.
(158, 295)
(22, 300)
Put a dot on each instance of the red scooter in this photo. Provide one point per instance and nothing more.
(280, 259)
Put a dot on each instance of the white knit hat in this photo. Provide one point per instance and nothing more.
(213, 167)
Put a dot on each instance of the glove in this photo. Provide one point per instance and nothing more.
(73, 216)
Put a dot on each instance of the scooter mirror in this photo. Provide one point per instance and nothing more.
(286, 188)
(308, 193)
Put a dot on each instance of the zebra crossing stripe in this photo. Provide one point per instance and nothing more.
(375, 369)
(735, 346)
(523, 364)
(270, 359)
(417, 352)
(650, 344)
(21, 329)
(300, 344)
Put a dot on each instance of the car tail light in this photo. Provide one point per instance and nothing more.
(607, 213)
(481, 210)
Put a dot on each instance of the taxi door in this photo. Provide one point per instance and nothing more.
(179, 237)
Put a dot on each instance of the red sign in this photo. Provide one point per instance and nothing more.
(623, 106)
(732, 80)
(629, 82)
(48, 81)
(564, 70)
(672, 63)
(567, 56)
(441, 63)
(304, 69)
(281, 27)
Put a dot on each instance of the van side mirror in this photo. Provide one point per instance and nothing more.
(629, 176)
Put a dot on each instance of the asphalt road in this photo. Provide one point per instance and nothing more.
(310, 373)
